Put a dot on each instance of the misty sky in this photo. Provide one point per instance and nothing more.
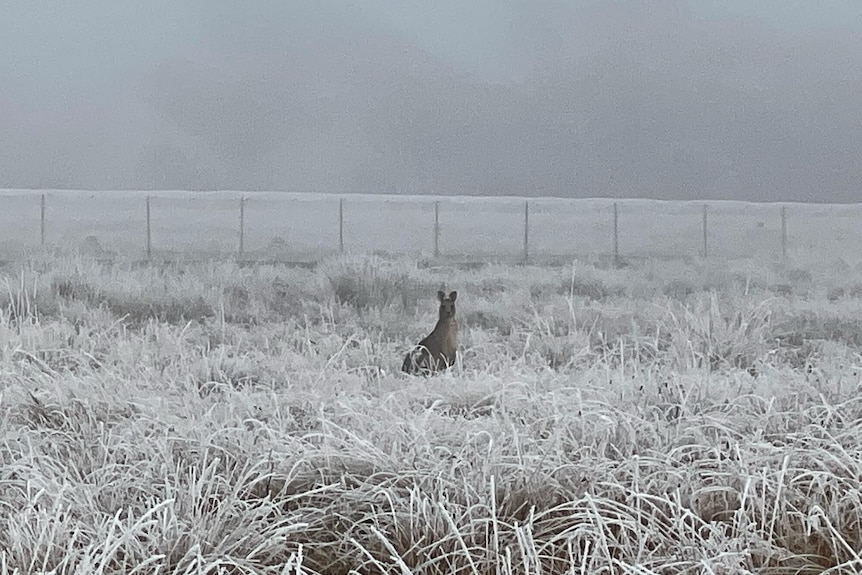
(674, 99)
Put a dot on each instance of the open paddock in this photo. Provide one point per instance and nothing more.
(663, 417)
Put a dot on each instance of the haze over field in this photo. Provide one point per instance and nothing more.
(671, 99)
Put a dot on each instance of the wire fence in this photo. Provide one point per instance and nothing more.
(274, 226)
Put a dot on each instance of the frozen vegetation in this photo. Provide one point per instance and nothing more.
(660, 417)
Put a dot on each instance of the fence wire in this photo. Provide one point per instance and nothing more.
(307, 227)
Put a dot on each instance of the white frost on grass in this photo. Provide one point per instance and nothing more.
(243, 420)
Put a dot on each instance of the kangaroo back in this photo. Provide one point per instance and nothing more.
(437, 351)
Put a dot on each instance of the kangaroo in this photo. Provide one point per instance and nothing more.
(438, 350)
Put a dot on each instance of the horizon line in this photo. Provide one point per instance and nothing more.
(412, 195)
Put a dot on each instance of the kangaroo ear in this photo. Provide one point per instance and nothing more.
(441, 295)
(453, 295)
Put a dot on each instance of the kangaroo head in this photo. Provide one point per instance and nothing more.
(447, 304)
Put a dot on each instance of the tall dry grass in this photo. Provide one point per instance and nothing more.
(660, 418)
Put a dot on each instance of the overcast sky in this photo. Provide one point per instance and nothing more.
(675, 99)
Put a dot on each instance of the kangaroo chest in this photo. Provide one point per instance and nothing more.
(448, 337)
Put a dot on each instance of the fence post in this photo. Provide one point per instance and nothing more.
(42, 221)
(149, 233)
(616, 235)
(437, 229)
(241, 226)
(783, 231)
(526, 231)
(705, 235)
(341, 225)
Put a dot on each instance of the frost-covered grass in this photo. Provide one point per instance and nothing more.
(659, 418)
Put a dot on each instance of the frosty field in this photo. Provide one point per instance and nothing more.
(305, 227)
(665, 417)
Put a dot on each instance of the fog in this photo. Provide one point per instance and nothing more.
(668, 99)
